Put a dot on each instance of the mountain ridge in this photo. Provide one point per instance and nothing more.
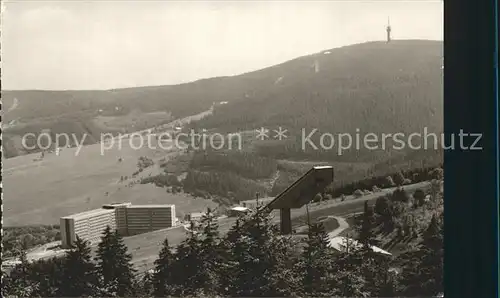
(306, 80)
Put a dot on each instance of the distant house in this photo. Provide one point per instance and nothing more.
(237, 211)
(195, 216)
(252, 204)
(342, 243)
(358, 193)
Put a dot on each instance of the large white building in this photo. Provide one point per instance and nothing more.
(126, 218)
(87, 225)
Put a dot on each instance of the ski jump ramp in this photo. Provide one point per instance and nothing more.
(300, 193)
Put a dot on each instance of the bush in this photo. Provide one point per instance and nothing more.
(383, 207)
(400, 195)
(317, 198)
(163, 180)
(17, 238)
(144, 162)
(419, 197)
(389, 181)
(399, 179)
(437, 174)
(358, 193)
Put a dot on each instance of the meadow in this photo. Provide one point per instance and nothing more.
(40, 192)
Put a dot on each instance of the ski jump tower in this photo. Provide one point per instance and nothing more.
(299, 194)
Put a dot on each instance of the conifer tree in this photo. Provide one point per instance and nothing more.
(210, 253)
(348, 280)
(366, 233)
(47, 275)
(162, 276)
(79, 272)
(233, 249)
(431, 265)
(114, 265)
(188, 259)
(144, 286)
(423, 267)
(17, 282)
(253, 266)
(282, 277)
(315, 261)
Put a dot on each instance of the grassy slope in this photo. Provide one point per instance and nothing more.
(41, 192)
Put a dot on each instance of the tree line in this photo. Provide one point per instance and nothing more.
(224, 184)
(399, 178)
(244, 164)
(15, 239)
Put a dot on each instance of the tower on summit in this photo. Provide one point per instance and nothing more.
(388, 29)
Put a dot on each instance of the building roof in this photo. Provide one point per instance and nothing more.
(239, 208)
(114, 205)
(88, 213)
(322, 167)
(340, 243)
(196, 214)
(260, 200)
(152, 206)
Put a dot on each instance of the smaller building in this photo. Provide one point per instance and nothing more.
(252, 204)
(88, 225)
(195, 216)
(237, 211)
(342, 244)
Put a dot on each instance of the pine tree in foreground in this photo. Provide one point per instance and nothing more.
(210, 253)
(366, 230)
(283, 279)
(18, 283)
(423, 267)
(47, 275)
(254, 256)
(232, 248)
(114, 265)
(143, 286)
(79, 271)
(162, 276)
(431, 265)
(348, 280)
(315, 262)
(187, 278)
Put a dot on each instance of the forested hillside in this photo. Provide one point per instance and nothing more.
(376, 87)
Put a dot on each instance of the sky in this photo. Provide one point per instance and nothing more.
(76, 45)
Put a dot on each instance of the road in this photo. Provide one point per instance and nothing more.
(343, 225)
